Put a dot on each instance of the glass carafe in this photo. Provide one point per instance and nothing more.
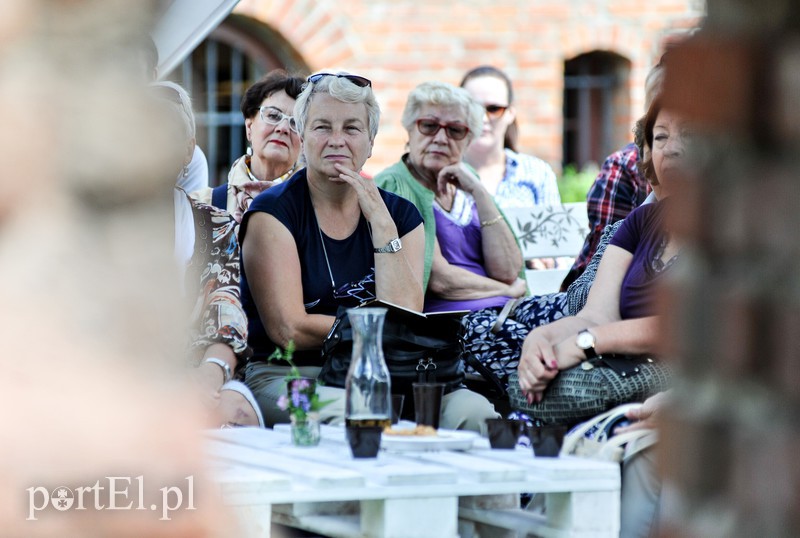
(368, 388)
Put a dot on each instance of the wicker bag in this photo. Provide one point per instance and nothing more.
(593, 387)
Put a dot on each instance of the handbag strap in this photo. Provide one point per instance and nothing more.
(572, 439)
(615, 444)
(508, 310)
(638, 443)
(496, 385)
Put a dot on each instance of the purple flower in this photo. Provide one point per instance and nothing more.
(295, 396)
(283, 402)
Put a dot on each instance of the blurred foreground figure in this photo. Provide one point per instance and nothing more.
(94, 412)
(207, 258)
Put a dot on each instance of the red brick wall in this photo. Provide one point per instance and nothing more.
(401, 43)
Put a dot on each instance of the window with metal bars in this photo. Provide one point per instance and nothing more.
(596, 107)
(217, 73)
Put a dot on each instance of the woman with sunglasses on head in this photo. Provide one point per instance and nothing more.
(274, 144)
(326, 238)
(514, 179)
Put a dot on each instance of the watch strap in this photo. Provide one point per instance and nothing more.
(589, 351)
(393, 246)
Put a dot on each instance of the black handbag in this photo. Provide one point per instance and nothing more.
(593, 387)
(417, 348)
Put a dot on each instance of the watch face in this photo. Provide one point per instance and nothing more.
(585, 340)
(393, 246)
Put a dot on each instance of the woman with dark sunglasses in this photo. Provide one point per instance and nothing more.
(472, 260)
(514, 179)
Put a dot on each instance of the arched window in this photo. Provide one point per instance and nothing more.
(596, 106)
(234, 56)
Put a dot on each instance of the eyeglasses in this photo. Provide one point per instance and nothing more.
(454, 131)
(273, 116)
(361, 82)
(495, 111)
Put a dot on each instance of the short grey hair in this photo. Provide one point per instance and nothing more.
(185, 107)
(342, 89)
(444, 95)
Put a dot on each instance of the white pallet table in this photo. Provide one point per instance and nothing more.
(388, 489)
(575, 505)
(405, 495)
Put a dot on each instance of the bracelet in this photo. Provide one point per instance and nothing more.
(226, 369)
(487, 223)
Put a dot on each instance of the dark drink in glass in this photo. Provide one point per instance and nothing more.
(364, 435)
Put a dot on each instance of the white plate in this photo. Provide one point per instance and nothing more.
(444, 440)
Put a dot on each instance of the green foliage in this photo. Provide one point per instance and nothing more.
(286, 355)
(573, 185)
(301, 398)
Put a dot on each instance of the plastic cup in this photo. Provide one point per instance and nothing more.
(397, 407)
(428, 403)
(546, 440)
(504, 432)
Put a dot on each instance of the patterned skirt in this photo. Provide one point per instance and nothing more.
(500, 351)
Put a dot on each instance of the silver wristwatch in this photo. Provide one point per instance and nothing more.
(226, 369)
(394, 246)
(586, 342)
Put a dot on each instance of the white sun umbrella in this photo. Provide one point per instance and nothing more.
(182, 24)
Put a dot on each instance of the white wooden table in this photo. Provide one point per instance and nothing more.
(323, 489)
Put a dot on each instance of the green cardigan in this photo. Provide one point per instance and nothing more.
(398, 179)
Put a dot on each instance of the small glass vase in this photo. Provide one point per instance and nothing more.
(305, 432)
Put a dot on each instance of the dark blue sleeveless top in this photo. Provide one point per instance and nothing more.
(352, 261)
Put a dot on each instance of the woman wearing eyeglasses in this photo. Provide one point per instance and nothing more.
(274, 144)
(472, 260)
(514, 179)
(326, 238)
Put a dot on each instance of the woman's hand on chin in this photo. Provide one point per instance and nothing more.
(369, 199)
(459, 175)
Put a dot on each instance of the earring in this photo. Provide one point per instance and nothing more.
(249, 151)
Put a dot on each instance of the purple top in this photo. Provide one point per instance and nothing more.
(459, 235)
(640, 234)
